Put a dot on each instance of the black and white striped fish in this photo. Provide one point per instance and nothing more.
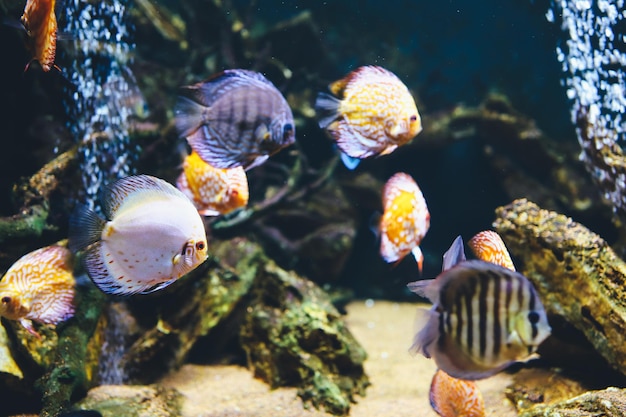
(235, 118)
(484, 317)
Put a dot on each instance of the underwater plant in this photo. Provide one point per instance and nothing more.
(593, 59)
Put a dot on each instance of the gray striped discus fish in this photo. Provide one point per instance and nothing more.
(484, 318)
(235, 118)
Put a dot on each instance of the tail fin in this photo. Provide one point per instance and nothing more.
(427, 331)
(188, 115)
(327, 109)
(85, 228)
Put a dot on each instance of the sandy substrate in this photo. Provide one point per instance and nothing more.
(400, 382)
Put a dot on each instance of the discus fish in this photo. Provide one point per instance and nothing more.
(40, 23)
(452, 397)
(212, 190)
(405, 219)
(373, 114)
(39, 287)
(488, 246)
(153, 235)
(235, 118)
(484, 318)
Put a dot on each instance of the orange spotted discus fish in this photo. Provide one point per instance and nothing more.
(484, 318)
(452, 397)
(152, 236)
(372, 114)
(235, 118)
(40, 23)
(405, 219)
(488, 246)
(39, 287)
(213, 191)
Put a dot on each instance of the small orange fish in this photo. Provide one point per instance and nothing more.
(374, 114)
(39, 287)
(213, 191)
(405, 219)
(40, 23)
(452, 397)
(488, 246)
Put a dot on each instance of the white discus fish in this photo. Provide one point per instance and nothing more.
(153, 235)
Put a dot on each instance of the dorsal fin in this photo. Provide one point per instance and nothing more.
(116, 193)
(454, 255)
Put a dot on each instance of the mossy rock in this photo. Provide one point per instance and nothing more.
(294, 336)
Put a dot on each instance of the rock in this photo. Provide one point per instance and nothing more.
(576, 273)
(532, 387)
(7, 363)
(293, 336)
(171, 321)
(610, 402)
(132, 401)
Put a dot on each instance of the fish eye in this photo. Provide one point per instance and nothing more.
(533, 317)
(287, 129)
(6, 300)
(413, 118)
(200, 245)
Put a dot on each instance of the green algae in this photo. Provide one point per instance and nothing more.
(294, 336)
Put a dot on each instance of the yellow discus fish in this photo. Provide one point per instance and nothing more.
(405, 219)
(213, 191)
(488, 246)
(40, 23)
(39, 287)
(373, 113)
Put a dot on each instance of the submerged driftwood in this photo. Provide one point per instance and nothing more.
(577, 274)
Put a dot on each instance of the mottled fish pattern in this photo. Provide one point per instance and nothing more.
(488, 246)
(235, 118)
(39, 20)
(405, 219)
(39, 287)
(453, 397)
(213, 191)
(372, 114)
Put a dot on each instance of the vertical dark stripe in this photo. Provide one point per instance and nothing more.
(459, 317)
(444, 315)
(442, 330)
(469, 296)
(531, 307)
(497, 328)
(507, 303)
(520, 293)
(449, 320)
(482, 313)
